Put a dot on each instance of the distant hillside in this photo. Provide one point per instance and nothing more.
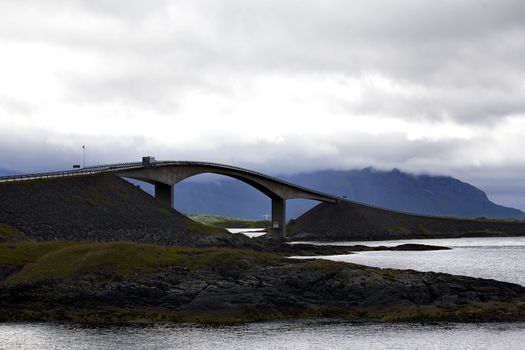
(396, 190)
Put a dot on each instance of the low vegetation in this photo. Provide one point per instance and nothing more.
(22, 253)
(56, 260)
(9, 233)
(228, 222)
(198, 227)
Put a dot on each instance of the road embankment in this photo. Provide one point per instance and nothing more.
(100, 208)
(347, 221)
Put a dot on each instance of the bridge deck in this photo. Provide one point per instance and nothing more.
(120, 167)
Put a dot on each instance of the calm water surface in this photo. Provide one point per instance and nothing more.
(250, 232)
(499, 258)
(274, 335)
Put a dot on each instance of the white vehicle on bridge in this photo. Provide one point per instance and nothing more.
(148, 161)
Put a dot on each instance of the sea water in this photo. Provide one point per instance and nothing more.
(271, 335)
(499, 258)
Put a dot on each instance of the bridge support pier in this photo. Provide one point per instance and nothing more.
(278, 218)
(164, 193)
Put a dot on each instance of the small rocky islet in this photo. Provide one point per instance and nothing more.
(110, 264)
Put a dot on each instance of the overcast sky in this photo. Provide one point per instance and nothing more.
(280, 86)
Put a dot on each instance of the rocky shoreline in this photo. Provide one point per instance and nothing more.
(309, 249)
(123, 282)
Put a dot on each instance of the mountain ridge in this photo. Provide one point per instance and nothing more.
(424, 194)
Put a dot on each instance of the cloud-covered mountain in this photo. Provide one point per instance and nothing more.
(422, 194)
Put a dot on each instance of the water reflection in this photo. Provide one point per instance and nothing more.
(272, 335)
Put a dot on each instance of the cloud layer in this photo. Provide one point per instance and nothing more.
(281, 86)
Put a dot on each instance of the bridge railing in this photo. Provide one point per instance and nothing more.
(65, 173)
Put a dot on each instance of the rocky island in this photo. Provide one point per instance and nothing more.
(122, 281)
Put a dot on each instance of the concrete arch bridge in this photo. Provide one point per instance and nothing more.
(165, 174)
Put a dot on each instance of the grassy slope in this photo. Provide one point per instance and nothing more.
(199, 227)
(9, 233)
(55, 260)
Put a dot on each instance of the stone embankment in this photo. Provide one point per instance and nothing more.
(101, 208)
(352, 221)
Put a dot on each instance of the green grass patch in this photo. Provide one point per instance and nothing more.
(228, 222)
(22, 253)
(9, 233)
(198, 227)
(207, 219)
(58, 260)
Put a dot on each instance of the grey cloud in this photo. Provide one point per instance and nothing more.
(41, 151)
(462, 59)
(472, 104)
(45, 151)
(464, 56)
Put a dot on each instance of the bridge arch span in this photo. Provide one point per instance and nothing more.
(165, 176)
